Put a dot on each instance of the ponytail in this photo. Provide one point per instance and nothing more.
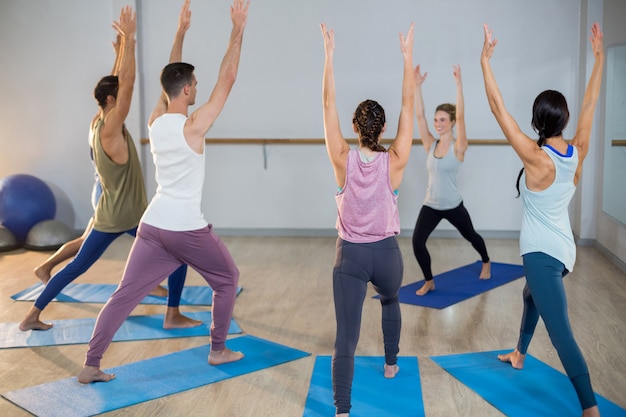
(550, 116)
(369, 119)
(540, 142)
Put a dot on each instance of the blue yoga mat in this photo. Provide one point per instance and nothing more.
(100, 293)
(460, 284)
(372, 393)
(75, 331)
(538, 390)
(149, 379)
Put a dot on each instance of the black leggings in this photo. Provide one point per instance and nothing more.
(428, 219)
(356, 264)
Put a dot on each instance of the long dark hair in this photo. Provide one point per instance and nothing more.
(369, 119)
(550, 116)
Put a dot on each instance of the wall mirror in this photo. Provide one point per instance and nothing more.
(614, 189)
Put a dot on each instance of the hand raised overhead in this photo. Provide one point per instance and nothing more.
(596, 39)
(127, 25)
(184, 19)
(329, 39)
(419, 77)
(489, 44)
(406, 43)
(239, 13)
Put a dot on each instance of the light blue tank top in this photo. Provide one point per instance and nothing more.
(545, 220)
(441, 192)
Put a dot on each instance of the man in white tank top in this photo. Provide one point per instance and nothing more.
(173, 230)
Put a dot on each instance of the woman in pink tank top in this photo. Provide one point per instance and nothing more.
(367, 250)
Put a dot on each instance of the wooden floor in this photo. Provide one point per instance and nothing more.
(287, 298)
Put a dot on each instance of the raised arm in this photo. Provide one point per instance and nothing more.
(336, 145)
(111, 135)
(116, 47)
(525, 147)
(400, 149)
(420, 112)
(460, 146)
(176, 55)
(201, 120)
(585, 120)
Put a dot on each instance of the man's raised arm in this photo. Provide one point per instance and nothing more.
(201, 120)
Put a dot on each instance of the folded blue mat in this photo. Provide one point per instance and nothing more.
(538, 390)
(460, 284)
(372, 393)
(149, 379)
(76, 331)
(100, 293)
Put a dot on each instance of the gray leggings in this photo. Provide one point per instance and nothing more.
(356, 264)
(544, 295)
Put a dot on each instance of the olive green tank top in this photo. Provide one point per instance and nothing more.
(123, 199)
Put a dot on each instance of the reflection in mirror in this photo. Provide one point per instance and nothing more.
(614, 189)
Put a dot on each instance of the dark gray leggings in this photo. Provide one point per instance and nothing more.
(544, 295)
(428, 219)
(356, 264)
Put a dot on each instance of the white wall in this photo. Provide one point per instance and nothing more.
(55, 50)
(277, 95)
(53, 53)
(610, 234)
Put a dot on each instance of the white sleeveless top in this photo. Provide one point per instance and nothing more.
(545, 220)
(176, 205)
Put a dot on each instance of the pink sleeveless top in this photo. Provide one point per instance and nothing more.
(367, 206)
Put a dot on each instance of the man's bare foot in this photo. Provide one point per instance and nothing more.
(591, 412)
(159, 292)
(32, 322)
(218, 357)
(43, 273)
(175, 320)
(391, 371)
(485, 272)
(27, 325)
(91, 374)
(426, 288)
(515, 358)
(342, 415)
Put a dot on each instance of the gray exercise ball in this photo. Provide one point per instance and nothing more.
(48, 235)
(7, 240)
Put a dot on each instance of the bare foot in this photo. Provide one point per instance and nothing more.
(426, 288)
(159, 292)
(391, 371)
(34, 325)
(515, 358)
(91, 374)
(175, 320)
(218, 357)
(591, 412)
(43, 273)
(32, 322)
(342, 415)
(485, 272)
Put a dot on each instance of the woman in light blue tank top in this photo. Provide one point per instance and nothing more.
(551, 171)
(443, 200)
